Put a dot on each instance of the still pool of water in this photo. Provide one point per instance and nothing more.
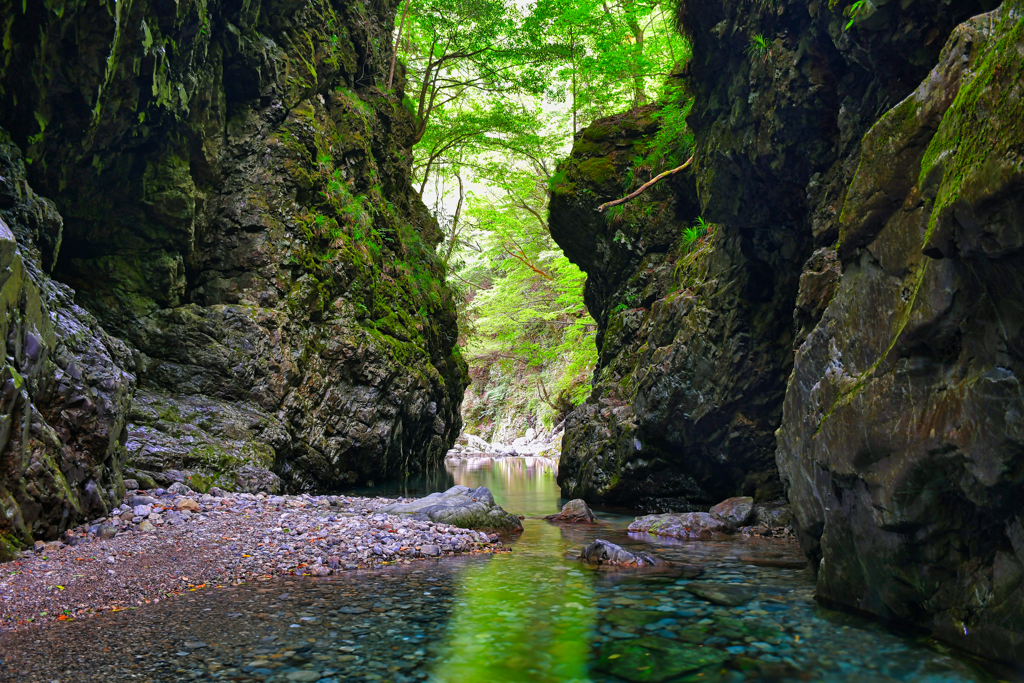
(534, 614)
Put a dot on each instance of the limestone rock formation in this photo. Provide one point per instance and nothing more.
(902, 444)
(66, 385)
(234, 184)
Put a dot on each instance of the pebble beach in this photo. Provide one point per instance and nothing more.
(159, 544)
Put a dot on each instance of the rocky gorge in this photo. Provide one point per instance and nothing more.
(223, 304)
(844, 334)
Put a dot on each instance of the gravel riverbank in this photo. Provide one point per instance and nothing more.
(168, 542)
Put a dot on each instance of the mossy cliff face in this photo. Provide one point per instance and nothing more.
(692, 358)
(66, 385)
(234, 183)
(902, 444)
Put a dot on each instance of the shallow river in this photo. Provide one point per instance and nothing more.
(533, 614)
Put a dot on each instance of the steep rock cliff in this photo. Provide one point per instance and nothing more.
(903, 438)
(899, 444)
(693, 356)
(66, 385)
(234, 183)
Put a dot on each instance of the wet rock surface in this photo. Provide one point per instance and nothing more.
(686, 525)
(735, 511)
(574, 512)
(161, 544)
(461, 506)
(602, 552)
(66, 384)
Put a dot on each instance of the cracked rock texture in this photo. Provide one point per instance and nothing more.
(231, 200)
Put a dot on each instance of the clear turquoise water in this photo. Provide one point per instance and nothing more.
(534, 614)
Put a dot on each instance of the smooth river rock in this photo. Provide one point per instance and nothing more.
(574, 512)
(602, 552)
(691, 525)
(460, 506)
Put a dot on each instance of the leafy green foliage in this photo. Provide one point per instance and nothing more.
(759, 47)
(530, 331)
(854, 10)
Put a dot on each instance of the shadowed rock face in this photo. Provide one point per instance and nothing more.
(902, 444)
(234, 185)
(693, 354)
(66, 384)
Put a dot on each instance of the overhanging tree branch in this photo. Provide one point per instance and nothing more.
(645, 186)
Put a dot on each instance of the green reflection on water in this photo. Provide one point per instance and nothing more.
(524, 616)
(527, 615)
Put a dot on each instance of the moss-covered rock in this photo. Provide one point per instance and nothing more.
(693, 340)
(902, 437)
(234, 182)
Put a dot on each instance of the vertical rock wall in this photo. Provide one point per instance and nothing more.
(902, 443)
(66, 384)
(693, 356)
(893, 145)
(234, 185)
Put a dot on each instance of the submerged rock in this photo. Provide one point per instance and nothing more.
(460, 506)
(574, 512)
(691, 525)
(653, 659)
(721, 593)
(602, 552)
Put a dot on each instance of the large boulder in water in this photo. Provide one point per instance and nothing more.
(461, 506)
(735, 511)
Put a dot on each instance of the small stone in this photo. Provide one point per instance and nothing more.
(303, 675)
(217, 492)
(131, 485)
(145, 525)
(430, 550)
(106, 531)
(179, 489)
(188, 504)
(142, 511)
